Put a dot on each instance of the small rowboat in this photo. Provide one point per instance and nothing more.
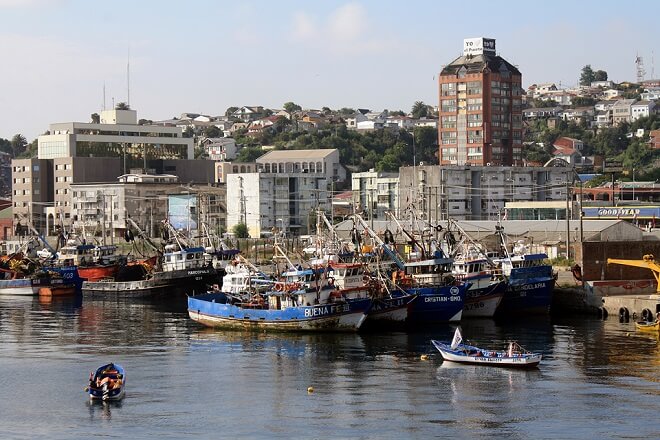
(107, 383)
(644, 326)
(514, 356)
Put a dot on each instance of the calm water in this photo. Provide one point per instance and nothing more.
(599, 379)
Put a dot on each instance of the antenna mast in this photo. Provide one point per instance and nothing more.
(128, 78)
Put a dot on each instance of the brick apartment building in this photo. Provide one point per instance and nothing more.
(480, 112)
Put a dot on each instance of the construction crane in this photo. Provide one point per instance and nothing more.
(647, 262)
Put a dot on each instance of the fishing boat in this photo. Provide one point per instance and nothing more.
(530, 279)
(513, 356)
(24, 278)
(179, 265)
(302, 299)
(644, 326)
(351, 281)
(95, 262)
(426, 275)
(107, 383)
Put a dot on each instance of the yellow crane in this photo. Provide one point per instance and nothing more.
(647, 262)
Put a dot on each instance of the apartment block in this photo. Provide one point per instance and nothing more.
(476, 192)
(480, 112)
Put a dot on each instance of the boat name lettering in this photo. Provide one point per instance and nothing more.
(433, 299)
(326, 310)
(529, 286)
(197, 272)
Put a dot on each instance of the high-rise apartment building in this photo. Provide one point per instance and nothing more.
(480, 111)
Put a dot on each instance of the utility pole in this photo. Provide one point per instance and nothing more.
(568, 221)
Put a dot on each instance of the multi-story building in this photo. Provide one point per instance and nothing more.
(286, 201)
(99, 208)
(32, 192)
(480, 113)
(100, 152)
(375, 192)
(641, 109)
(478, 193)
(621, 111)
(117, 134)
(314, 162)
(222, 169)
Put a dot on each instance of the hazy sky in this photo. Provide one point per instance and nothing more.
(204, 56)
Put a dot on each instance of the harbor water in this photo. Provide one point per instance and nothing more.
(598, 379)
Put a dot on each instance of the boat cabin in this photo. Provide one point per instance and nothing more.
(183, 259)
(432, 272)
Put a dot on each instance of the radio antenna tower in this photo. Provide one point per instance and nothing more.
(639, 62)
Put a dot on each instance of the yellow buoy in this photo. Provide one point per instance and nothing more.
(310, 389)
(424, 357)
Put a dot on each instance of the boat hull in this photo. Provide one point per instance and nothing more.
(529, 292)
(436, 304)
(97, 273)
(21, 287)
(99, 392)
(653, 327)
(393, 309)
(191, 279)
(483, 302)
(211, 311)
(489, 358)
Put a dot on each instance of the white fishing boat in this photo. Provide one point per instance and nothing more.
(513, 356)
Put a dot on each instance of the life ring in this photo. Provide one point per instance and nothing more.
(279, 287)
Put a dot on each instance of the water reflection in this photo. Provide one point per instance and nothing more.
(184, 379)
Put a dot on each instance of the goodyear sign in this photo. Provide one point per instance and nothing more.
(622, 212)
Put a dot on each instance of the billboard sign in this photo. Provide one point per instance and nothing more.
(479, 46)
(182, 211)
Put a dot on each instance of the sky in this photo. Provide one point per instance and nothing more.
(58, 56)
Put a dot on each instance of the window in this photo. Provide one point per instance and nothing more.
(448, 89)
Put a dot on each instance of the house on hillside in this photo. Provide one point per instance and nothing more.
(642, 109)
(621, 111)
(249, 113)
(223, 149)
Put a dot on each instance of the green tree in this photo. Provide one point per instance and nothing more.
(189, 132)
(600, 75)
(5, 145)
(291, 107)
(212, 132)
(240, 230)
(249, 154)
(31, 150)
(583, 101)
(281, 123)
(122, 106)
(346, 111)
(96, 119)
(419, 110)
(230, 111)
(587, 76)
(18, 145)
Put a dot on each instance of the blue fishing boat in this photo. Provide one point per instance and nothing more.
(300, 300)
(107, 383)
(530, 284)
(425, 276)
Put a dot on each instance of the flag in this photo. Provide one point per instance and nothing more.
(457, 339)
